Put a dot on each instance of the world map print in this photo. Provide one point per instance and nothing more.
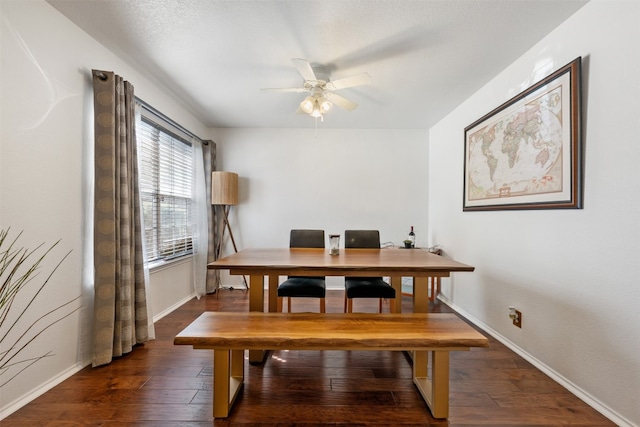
(519, 153)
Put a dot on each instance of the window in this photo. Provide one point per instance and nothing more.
(165, 176)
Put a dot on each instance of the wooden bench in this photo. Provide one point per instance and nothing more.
(230, 334)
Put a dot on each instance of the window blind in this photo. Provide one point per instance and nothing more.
(166, 163)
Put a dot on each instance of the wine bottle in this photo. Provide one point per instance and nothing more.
(412, 237)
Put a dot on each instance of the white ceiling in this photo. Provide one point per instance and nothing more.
(424, 56)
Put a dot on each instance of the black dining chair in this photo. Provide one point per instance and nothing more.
(302, 286)
(366, 287)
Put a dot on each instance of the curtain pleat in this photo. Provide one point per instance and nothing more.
(120, 305)
(151, 327)
(200, 206)
(209, 160)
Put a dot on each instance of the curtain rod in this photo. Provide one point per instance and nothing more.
(167, 119)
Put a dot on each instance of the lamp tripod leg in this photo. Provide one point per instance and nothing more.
(225, 210)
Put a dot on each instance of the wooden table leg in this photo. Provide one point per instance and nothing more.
(434, 388)
(435, 287)
(273, 292)
(396, 283)
(432, 288)
(421, 294)
(228, 378)
(256, 292)
(256, 303)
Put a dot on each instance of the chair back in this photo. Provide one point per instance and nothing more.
(365, 239)
(306, 239)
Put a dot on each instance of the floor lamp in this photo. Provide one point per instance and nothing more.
(224, 192)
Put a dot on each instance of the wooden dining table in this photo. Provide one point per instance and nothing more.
(396, 263)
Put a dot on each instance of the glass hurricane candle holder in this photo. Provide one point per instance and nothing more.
(334, 244)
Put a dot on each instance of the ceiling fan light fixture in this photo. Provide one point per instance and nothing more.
(307, 104)
(325, 105)
(317, 110)
(315, 106)
(320, 89)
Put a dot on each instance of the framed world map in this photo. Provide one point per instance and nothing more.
(527, 153)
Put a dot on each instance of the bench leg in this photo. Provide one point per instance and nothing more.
(434, 388)
(228, 377)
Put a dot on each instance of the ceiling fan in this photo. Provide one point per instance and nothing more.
(321, 90)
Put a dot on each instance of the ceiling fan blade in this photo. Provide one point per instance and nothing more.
(357, 80)
(304, 68)
(341, 101)
(285, 89)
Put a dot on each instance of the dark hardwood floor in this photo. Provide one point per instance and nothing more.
(160, 384)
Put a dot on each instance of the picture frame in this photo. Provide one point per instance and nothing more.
(527, 153)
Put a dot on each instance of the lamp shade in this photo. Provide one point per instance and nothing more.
(224, 188)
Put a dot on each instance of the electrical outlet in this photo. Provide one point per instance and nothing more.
(515, 316)
(517, 320)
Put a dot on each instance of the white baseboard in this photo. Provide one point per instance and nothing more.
(11, 407)
(173, 307)
(580, 393)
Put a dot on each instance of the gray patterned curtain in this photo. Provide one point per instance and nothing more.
(209, 157)
(120, 306)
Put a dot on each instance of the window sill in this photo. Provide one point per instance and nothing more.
(163, 265)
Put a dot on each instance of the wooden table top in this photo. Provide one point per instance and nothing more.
(327, 331)
(383, 262)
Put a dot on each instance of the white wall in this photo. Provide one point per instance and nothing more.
(343, 179)
(573, 273)
(45, 173)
